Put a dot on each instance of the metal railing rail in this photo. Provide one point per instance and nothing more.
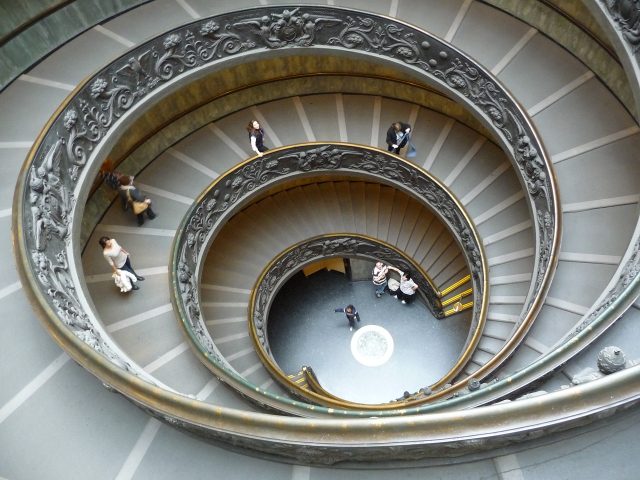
(50, 195)
(234, 189)
(307, 252)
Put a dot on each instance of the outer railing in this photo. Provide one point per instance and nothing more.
(233, 190)
(621, 20)
(52, 188)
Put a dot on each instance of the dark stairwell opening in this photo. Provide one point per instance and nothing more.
(304, 330)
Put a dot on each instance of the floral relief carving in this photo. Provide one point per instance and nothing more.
(369, 35)
(49, 199)
(217, 205)
(189, 297)
(626, 16)
(289, 28)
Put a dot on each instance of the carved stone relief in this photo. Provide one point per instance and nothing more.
(219, 203)
(81, 127)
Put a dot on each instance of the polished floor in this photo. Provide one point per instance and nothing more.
(305, 330)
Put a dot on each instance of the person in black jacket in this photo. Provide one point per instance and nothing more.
(129, 193)
(352, 315)
(397, 136)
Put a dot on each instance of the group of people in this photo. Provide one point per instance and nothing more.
(404, 290)
(398, 137)
(123, 274)
(132, 199)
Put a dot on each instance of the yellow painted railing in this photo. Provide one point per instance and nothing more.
(453, 286)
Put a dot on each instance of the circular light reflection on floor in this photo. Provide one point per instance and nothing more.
(372, 345)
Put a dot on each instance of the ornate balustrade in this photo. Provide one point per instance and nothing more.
(280, 270)
(621, 20)
(53, 186)
(235, 188)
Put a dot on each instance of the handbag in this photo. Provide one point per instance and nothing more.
(136, 206)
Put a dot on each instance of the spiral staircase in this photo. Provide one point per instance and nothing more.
(528, 402)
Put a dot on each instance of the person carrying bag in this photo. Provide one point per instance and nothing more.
(139, 204)
(137, 207)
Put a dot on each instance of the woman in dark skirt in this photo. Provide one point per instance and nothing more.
(256, 136)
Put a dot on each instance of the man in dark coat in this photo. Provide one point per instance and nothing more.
(397, 136)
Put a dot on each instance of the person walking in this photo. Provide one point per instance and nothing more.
(397, 136)
(138, 203)
(352, 315)
(118, 258)
(379, 275)
(125, 182)
(256, 137)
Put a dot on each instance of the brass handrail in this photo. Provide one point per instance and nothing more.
(454, 285)
(458, 308)
(319, 396)
(457, 297)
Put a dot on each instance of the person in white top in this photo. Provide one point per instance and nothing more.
(256, 137)
(118, 258)
(407, 291)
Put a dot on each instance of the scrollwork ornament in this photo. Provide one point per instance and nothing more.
(215, 43)
(629, 273)
(289, 28)
(626, 16)
(190, 300)
(114, 101)
(50, 201)
(370, 35)
(175, 59)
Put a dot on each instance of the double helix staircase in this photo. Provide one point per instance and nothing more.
(47, 402)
